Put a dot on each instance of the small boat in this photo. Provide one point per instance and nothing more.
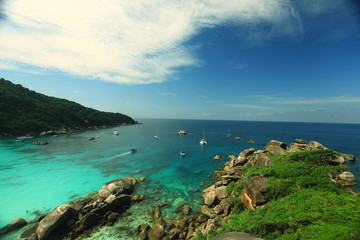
(22, 138)
(115, 132)
(182, 153)
(156, 137)
(227, 135)
(97, 136)
(41, 142)
(183, 132)
(133, 150)
(92, 138)
(202, 141)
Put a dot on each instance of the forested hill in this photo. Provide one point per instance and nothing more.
(23, 111)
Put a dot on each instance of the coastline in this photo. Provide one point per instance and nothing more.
(65, 130)
(217, 203)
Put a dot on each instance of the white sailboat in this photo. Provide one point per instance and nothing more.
(202, 141)
(156, 136)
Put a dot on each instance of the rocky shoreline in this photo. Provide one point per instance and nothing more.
(65, 130)
(79, 218)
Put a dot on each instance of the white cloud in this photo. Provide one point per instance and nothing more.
(77, 92)
(246, 106)
(308, 101)
(209, 114)
(130, 42)
(169, 94)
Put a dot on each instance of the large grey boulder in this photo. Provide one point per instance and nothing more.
(211, 199)
(348, 157)
(124, 185)
(274, 151)
(235, 236)
(347, 179)
(274, 143)
(242, 158)
(15, 224)
(274, 148)
(53, 220)
(254, 188)
(206, 211)
(221, 192)
(313, 145)
(336, 161)
(261, 160)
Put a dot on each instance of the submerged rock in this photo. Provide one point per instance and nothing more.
(156, 232)
(14, 225)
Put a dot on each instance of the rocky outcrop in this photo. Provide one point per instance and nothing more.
(274, 147)
(15, 224)
(261, 160)
(297, 145)
(218, 204)
(53, 220)
(347, 179)
(312, 145)
(254, 188)
(82, 216)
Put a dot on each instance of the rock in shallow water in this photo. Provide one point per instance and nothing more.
(53, 220)
(15, 224)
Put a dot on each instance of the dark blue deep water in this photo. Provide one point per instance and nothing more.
(35, 179)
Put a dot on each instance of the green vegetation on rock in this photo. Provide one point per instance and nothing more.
(24, 111)
(302, 201)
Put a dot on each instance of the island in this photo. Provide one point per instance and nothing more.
(23, 111)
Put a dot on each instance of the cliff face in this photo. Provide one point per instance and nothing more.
(23, 111)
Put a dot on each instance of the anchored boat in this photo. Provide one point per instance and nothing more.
(202, 141)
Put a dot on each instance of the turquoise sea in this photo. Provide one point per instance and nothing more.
(35, 179)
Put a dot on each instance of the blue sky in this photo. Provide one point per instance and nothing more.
(267, 60)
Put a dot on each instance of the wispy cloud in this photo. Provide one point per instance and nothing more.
(246, 106)
(131, 42)
(77, 92)
(308, 101)
(169, 94)
(209, 114)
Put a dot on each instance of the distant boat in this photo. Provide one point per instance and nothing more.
(41, 142)
(97, 136)
(182, 153)
(202, 141)
(228, 135)
(92, 138)
(22, 138)
(156, 137)
(183, 132)
(115, 132)
(133, 150)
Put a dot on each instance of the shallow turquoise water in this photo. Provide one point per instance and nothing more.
(35, 179)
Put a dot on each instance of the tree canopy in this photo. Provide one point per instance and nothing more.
(25, 111)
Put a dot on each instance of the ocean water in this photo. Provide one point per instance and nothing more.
(35, 179)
